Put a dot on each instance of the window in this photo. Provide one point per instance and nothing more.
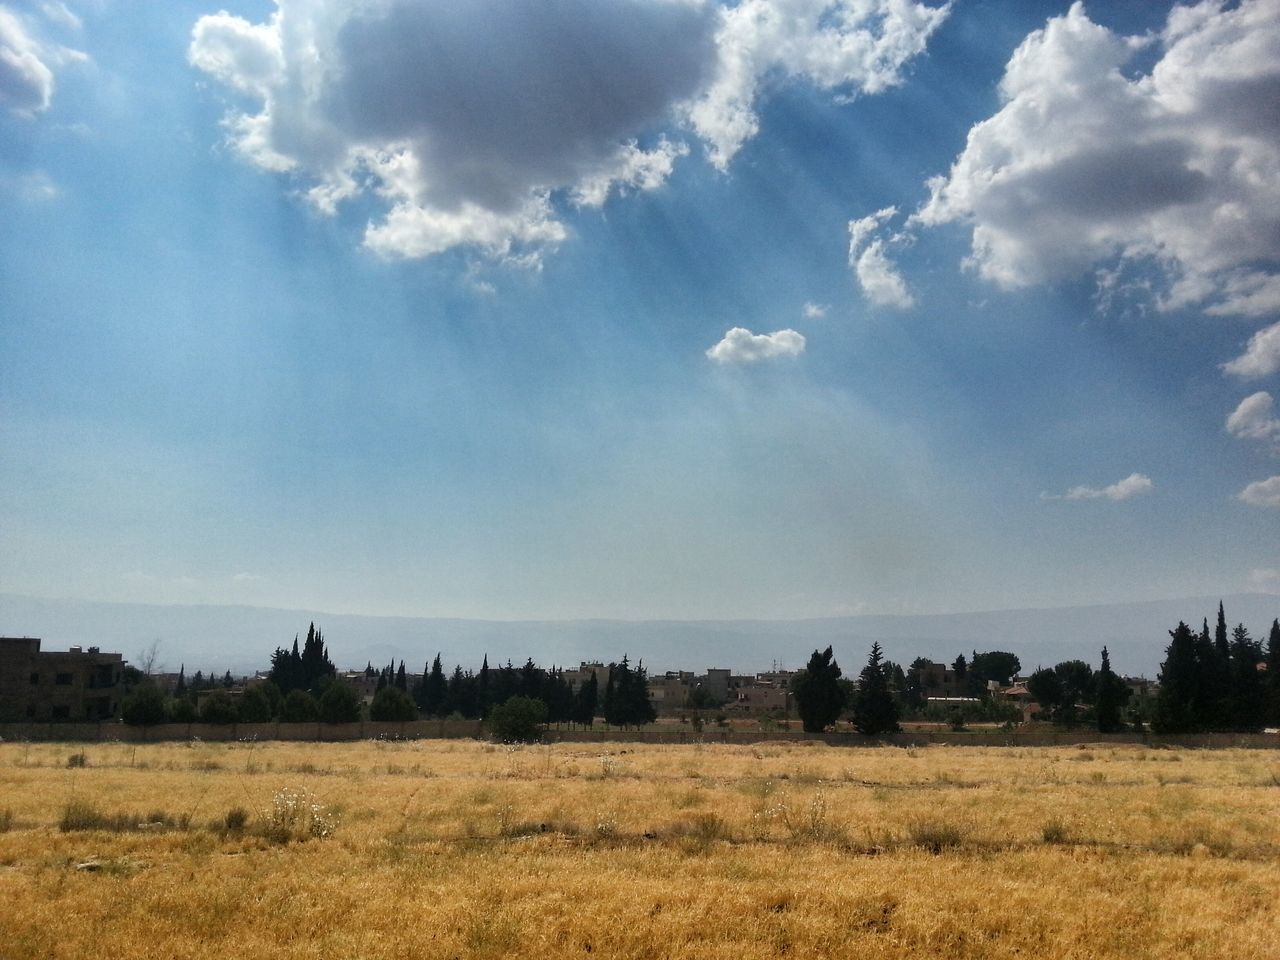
(63, 680)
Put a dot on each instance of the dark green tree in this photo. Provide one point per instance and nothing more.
(144, 706)
(402, 679)
(392, 704)
(819, 699)
(254, 706)
(340, 704)
(996, 665)
(1111, 696)
(1273, 675)
(1248, 685)
(181, 689)
(435, 690)
(518, 720)
(586, 701)
(182, 710)
(874, 709)
(1179, 684)
(218, 707)
(300, 707)
(1045, 687)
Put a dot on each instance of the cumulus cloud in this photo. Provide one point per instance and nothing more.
(1261, 358)
(845, 45)
(740, 345)
(814, 311)
(1253, 419)
(1087, 163)
(879, 279)
(1131, 486)
(26, 80)
(1262, 493)
(469, 124)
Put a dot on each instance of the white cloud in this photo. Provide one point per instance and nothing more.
(879, 279)
(740, 345)
(1253, 419)
(1262, 493)
(1261, 358)
(1131, 486)
(58, 12)
(1179, 167)
(814, 311)
(26, 81)
(843, 45)
(1264, 580)
(471, 122)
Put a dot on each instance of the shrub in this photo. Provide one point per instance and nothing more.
(518, 720)
(1054, 831)
(235, 819)
(255, 706)
(300, 707)
(340, 704)
(144, 707)
(77, 760)
(6, 820)
(218, 708)
(392, 703)
(936, 835)
(297, 815)
(83, 815)
(182, 710)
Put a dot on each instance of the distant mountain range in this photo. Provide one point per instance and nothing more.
(218, 638)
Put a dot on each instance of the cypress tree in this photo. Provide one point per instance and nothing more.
(611, 693)
(181, 689)
(436, 690)
(1176, 702)
(819, 697)
(585, 702)
(1273, 675)
(874, 709)
(484, 692)
(402, 679)
(1111, 696)
(1248, 687)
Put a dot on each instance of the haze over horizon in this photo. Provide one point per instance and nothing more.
(639, 310)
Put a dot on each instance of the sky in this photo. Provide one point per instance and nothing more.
(639, 308)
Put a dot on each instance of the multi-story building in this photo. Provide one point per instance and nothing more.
(75, 684)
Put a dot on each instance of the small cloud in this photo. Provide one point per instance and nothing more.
(26, 81)
(1264, 580)
(246, 578)
(1131, 486)
(814, 311)
(876, 274)
(58, 13)
(1261, 358)
(1262, 493)
(1252, 420)
(740, 345)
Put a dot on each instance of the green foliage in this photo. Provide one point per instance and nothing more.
(182, 710)
(586, 701)
(308, 669)
(1176, 704)
(218, 707)
(255, 706)
(874, 709)
(300, 707)
(819, 698)
(518, 720)
(1112, 694)
(393, 704)
(144, 707)
(626, 701)
(340, 704)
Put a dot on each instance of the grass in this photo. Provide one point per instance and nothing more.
(456, 849)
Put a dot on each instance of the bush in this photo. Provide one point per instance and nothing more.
(300, 707)
(218, 707)
(255, 706)
(340, 704)
(518, 720)
(392, 703)
(144, 707)
(297, 815)
(182, 710)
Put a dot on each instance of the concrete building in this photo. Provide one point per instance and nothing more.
(75, 684)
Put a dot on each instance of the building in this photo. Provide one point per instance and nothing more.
(75, 684)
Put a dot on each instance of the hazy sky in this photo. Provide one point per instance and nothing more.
(639, 308)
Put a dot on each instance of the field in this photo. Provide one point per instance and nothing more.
(464, 849)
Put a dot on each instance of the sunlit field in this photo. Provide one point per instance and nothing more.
(464, 849)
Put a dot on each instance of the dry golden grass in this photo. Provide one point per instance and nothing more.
(462, 849)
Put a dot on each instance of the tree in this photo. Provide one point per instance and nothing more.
(518, 720)
(585, 701)
(435, 690)
(1045, 687)
(392, 704)
(1248, 687)
(874, 709)
(218, 708)
(819, 698)
(300, 707)
(626, 700)
(1111, 696)
(1273, 674)
(995, 665)
(255, 705)
(1179, 684)
(340, 704)
(144, 706)
(182, 710)
(180, 690)
(402, 679)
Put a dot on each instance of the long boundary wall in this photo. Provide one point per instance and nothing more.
(472, 729)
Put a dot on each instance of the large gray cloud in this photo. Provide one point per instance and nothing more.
(471, 122)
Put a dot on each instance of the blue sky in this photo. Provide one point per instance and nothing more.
(430, 308)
